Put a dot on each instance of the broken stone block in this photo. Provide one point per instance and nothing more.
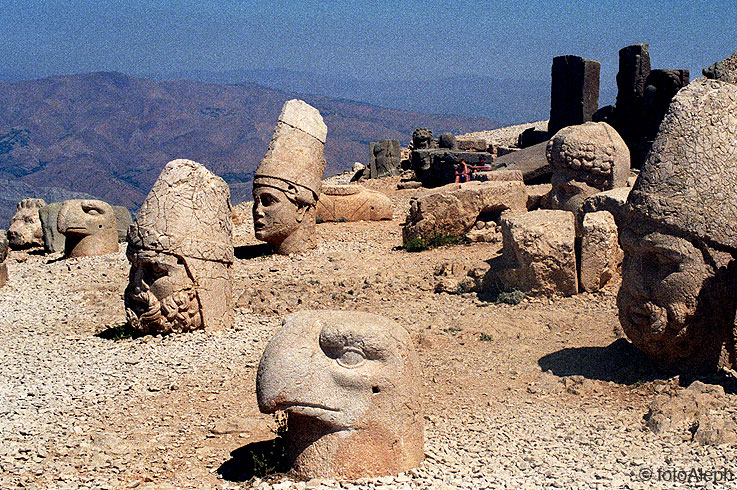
(535, 194)
(436, 167)
(539, 254)
(612, 201)
(574, 91)
(352, 203)
(384, 158)
(476, 144)
(660, 88)
(503, 174)
(453, 209)
(531, 161)
(601, 256)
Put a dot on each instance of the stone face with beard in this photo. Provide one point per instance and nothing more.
(160, 296)
(180, 249)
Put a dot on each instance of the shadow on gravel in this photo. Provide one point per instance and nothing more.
(120, 332)
(252, 251)
(619, 362)
(256, 459)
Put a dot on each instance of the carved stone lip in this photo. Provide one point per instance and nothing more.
(290, 406)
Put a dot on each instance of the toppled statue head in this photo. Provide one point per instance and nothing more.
(350, 384)
(89, 228)
(586, 159)
(181, 251)
(422, 139)
(286, 184)
(725, 70)
(677, 299)
(25, 226)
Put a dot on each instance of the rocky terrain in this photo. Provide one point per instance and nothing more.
(541, 394)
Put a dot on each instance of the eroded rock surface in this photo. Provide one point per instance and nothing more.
(350, 383)
(3, 257)
(725, 70)
(453, 209)
(181, 252)
(601, 256)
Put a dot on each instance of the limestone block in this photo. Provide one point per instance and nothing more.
(350, 383)
(477, 144)
(25, 226)
(601, 256)
(89, 228)
(539, 253)
(535, 194)
(453, 209)
(502, 174)
(352, 203)
(531, 161)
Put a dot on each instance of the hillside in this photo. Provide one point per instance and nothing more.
(109, 135)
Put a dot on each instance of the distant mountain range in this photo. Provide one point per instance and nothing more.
(506, 100)
(109, 135)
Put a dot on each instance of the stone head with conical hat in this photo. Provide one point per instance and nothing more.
(181, 251)
(286, 184)
(677, 299)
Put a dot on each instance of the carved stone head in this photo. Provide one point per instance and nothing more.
(25, 226)
(677, 299)
(586, 159)
(89, 227)
(350, 384)
(422, 139)
(181, 251)
(286, 184)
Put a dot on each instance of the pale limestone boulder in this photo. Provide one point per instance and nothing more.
(89, 228)
(612, 201)
(25, 226)
(350, 383)
(601, 256)
(352, 202)
(535, 195)
(539, 254)
(453, 209)
(501, 174)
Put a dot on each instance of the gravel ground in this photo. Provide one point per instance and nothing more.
(543, 394)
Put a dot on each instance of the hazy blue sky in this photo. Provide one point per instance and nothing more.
(366, 39)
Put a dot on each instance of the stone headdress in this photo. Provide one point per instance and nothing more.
(188, 214)
(689, 180)
(294, 162)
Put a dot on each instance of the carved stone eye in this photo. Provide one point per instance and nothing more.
(351, 358)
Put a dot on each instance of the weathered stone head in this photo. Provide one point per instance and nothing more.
(350, 384)
(181, 251)
(25, 226)
(89, 228)
(3, 256)
(679, 235)
(286, 184)
(586, 159)
(447, 141)
(422, 139)
(725, 70)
